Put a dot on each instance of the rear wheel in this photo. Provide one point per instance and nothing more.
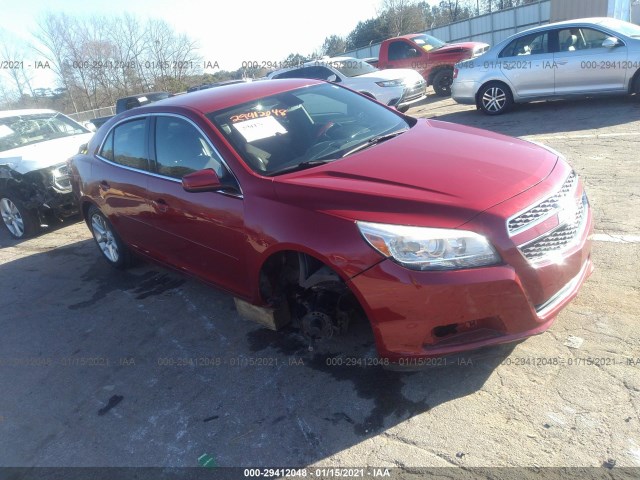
(18, 220)
(494, 98)
(113, 249)
(442, 82)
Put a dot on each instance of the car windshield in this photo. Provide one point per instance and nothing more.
(352, 67)
(306, 127)
(22, 130)
(427, 42)
(625, 28)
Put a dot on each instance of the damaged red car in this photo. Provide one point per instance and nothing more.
(310, 203)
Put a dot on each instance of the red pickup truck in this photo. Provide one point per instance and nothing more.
(432, 57)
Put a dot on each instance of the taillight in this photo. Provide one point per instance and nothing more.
(455, 73)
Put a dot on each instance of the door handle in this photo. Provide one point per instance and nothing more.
(562, 63)
(161, 205)
(104, 186)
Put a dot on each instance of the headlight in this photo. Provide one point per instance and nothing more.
(390, 83)
(421, 248)
(61, 178)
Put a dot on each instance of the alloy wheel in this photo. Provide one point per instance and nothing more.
(494, 99)
(105, 238)
(12, 217)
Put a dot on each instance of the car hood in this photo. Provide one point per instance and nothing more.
(436, 174)
(460, 47)
(44, 154)
(406, 74)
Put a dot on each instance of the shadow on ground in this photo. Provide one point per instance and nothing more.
(538, 118)
(165, 370)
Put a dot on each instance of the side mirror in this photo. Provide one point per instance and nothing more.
(89, 126)
(333, 79)
(413, 52)
(201, 181)
(610, 42)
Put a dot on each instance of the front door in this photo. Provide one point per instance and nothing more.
(585, 66)
(200, 233)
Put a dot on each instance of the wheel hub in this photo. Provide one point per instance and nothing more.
(11, 217)
(105, 239)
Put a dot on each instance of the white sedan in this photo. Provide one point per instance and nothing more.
(397, 87)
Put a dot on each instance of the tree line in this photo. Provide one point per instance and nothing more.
(97, 60)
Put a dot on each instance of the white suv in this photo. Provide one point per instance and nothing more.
(397, 88)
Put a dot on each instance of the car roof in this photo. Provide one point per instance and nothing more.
(577, 21)
(25, 111)
(225, 96)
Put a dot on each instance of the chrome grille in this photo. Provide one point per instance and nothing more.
(560, 238)
(544, 209)
(415, 91)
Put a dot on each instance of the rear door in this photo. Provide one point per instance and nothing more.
(122, 176)
(583, 65)
(201, 233)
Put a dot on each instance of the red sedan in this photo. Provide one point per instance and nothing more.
(311, 204)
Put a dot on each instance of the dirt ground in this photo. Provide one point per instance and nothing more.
(96, 366)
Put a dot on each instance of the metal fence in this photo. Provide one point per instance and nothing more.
(490, 28)
(91, 114)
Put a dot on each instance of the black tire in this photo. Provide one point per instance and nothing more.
(636, 85)
(495, 98)
(19, 221)
(113, 249)
(442, 82)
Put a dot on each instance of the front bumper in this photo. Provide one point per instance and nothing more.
(413, 94)
(61, 205)
(421, 314)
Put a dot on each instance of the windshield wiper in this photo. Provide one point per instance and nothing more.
(374, 141)
(299, 166)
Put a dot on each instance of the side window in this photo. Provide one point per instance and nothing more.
(399, 50)
(290, 74)
(316, 72)
(107, 147)
(574, 39)
(181, 149)
(126, 145)
(533, 44)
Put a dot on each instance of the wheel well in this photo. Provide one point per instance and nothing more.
(289, 268)
(86, 205)
(437, 70)
(304, 286)
(634, 84)
(488, 83)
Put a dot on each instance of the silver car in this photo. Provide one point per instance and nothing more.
(591, 56)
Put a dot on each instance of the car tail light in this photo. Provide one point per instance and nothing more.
(455, 73)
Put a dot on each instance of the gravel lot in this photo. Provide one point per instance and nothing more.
(96, 365)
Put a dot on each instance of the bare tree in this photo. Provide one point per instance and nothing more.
(51, 35)
(13, 50)
(402, 16)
